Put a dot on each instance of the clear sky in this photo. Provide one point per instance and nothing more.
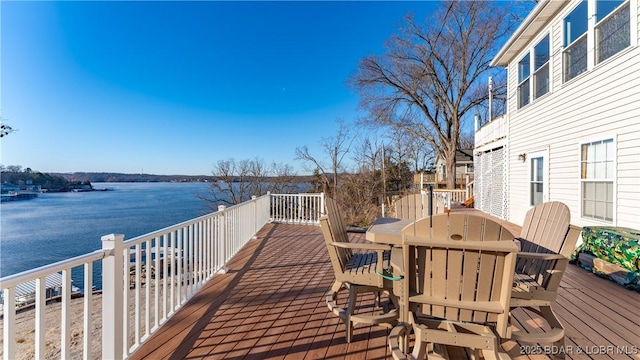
(173, 87)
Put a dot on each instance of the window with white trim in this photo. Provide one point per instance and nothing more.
(524, 91)
(536, 180)
(612, 28)
(611, 33)
(541, 55)
(529, 90)
(597, 173)
(574, 56)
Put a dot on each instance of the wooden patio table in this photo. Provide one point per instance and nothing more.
(387, 230)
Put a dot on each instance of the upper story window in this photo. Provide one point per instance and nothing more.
(541, 68)
(612, 28)
(600, 27)
(524, 71)
(574, 57)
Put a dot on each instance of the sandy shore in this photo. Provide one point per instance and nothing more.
(25, 328)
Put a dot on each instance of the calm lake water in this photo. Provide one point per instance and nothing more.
(55, 227)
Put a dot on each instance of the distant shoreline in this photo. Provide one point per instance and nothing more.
(104, 177)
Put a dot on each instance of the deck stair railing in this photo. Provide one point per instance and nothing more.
(145, 280)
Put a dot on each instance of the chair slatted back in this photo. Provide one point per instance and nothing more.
(547, 230)
(458, 226)
(416, 206)
(460, 280)
(545, 227)
(334, 230)
(409, 207)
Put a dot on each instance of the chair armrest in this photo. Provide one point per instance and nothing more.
(540, 256)
(361, 246)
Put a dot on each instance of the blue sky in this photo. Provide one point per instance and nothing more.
(173, 87)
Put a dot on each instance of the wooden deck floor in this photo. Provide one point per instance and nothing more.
(271, 305)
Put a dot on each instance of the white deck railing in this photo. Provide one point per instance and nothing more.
(145, 280)
(494, 130)
(447, 196)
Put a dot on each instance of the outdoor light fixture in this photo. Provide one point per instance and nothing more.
(522, 157)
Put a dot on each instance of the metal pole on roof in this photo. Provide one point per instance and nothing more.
(490, 98)
(384, 183)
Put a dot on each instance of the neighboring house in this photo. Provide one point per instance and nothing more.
(571, 132)
(464, 168)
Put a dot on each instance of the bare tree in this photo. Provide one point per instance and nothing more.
(236, 181)
(467, 141)
(335, 148)
(433, 74)
(283, 179)
(4, 128)
(367, 154)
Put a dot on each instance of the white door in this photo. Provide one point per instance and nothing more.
(538, 177)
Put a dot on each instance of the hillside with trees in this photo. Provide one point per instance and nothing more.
(14, 175)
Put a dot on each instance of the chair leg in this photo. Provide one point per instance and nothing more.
(553, 321)
(420, 347)
(353, 293)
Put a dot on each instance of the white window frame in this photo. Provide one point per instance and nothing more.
(535, 73)
(530, 80)
(525, 83)
(581, 181)
(544, 154)
(604, 19)
(586, 36)
(591, 36)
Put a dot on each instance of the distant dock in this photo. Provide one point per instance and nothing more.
(18, 195)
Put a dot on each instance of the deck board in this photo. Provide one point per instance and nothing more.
(271, 305)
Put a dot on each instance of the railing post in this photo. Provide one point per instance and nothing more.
(222, 256)
(321, 204)
(112, 297)
(255, 216)
(8, 331)
(271, 215)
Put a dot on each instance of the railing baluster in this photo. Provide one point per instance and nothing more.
(9, 323)
(172, 245)
(41, 304)
(147, 288)
(200, 258)
(136, 289)
(165, 274)
(65, 339)
(156, 283)
(87, 344)
(124, 283)
(190, 263)
(179, 268)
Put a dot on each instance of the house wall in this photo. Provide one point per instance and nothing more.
(602, 102)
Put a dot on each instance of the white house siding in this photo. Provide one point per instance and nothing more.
(601, 103)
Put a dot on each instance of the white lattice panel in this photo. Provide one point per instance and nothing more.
(490, 185)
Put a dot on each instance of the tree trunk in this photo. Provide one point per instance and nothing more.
(451, 169)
